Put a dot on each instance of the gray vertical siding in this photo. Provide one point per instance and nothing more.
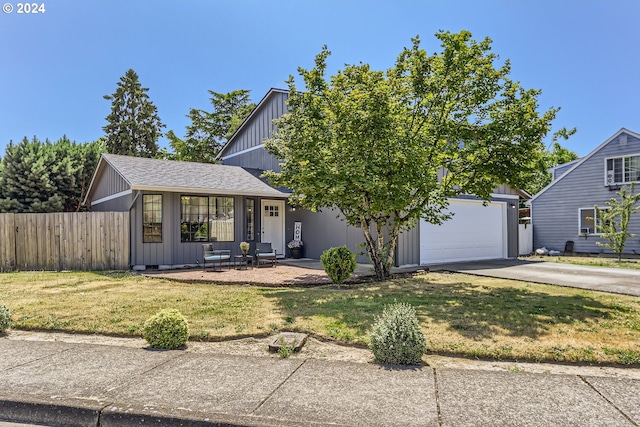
(408, 252)
(512, 226)
(259, 125)
(172, 251)
(322, 230)
(119, 204)
(108, 182)
(555, 211)
(254, 159)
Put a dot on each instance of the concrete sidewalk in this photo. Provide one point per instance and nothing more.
(70, 384)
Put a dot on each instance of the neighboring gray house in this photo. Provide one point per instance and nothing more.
(475, 232)
(565, 209)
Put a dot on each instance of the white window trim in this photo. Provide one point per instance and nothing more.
(595, 220)
(606, 160)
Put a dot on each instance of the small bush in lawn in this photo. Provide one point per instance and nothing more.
(396, 337)
(167, 329)
(338, 263)
(5, 317)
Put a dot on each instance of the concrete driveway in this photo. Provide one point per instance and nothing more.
(615, 280)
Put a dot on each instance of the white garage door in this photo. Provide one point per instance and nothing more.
(475, 232)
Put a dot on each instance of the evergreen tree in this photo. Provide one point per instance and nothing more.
(553, 156)
(209, 131)
(46, 177)
(133, 126)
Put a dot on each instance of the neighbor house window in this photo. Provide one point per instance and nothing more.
(623, 170)
(589, 222)
(250, 219)
(152, 218)
(204, 219)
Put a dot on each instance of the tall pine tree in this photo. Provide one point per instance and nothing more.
(133, 126)
(209, 131)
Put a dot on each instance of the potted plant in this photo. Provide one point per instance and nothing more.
(295, 248)
(244, 247)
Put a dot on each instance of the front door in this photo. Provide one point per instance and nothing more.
(273, 224)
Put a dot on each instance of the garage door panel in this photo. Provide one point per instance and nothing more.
(475, 232)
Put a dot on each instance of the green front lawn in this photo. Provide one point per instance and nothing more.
(460, 314)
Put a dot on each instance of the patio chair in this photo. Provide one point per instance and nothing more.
(265, 254)
(215, 257)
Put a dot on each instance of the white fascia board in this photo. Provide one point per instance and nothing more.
(247, 150)
(248, 119)
(215, 191)
(111, 197)
(504, 196)
(102, 160)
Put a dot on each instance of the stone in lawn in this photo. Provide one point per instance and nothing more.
(291, 339)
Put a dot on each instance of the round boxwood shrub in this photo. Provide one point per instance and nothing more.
(5, 317)
(167, 329)
(338, 263)
(396, 337)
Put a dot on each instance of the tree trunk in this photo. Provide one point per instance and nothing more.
(380, 254)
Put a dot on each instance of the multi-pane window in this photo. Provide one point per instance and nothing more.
(194, 219)
(204, 219)
(271, 210)
(152, 218)
(221, 219)
(250, 210)
(623, 170)
(589, 222)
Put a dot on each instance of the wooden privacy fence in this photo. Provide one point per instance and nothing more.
(64, 241)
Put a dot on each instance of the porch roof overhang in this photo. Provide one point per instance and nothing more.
(210, 190)
(154, 175)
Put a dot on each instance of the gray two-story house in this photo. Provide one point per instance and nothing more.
(177, 206)
(565, 211)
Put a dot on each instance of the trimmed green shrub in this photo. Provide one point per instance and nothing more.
(5, 317)
(396, 337)
(338, 263)
(167, 329)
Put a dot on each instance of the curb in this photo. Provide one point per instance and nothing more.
(83, 413)
(67, 413)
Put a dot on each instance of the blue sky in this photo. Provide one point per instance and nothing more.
(57, 65)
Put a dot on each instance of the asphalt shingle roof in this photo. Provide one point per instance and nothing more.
(145, 174)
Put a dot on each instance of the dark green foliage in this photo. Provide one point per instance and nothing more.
(339, 263)
(5, 317)
(396, 336)
(40, 176)
(374, 144)
(547, 159)
(167, 329)
(209, 131)
(134, 126)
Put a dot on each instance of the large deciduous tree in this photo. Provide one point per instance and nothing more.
(389, 148)
(209, 131)
(133, 125)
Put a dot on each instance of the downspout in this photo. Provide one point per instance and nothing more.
(131, 227)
